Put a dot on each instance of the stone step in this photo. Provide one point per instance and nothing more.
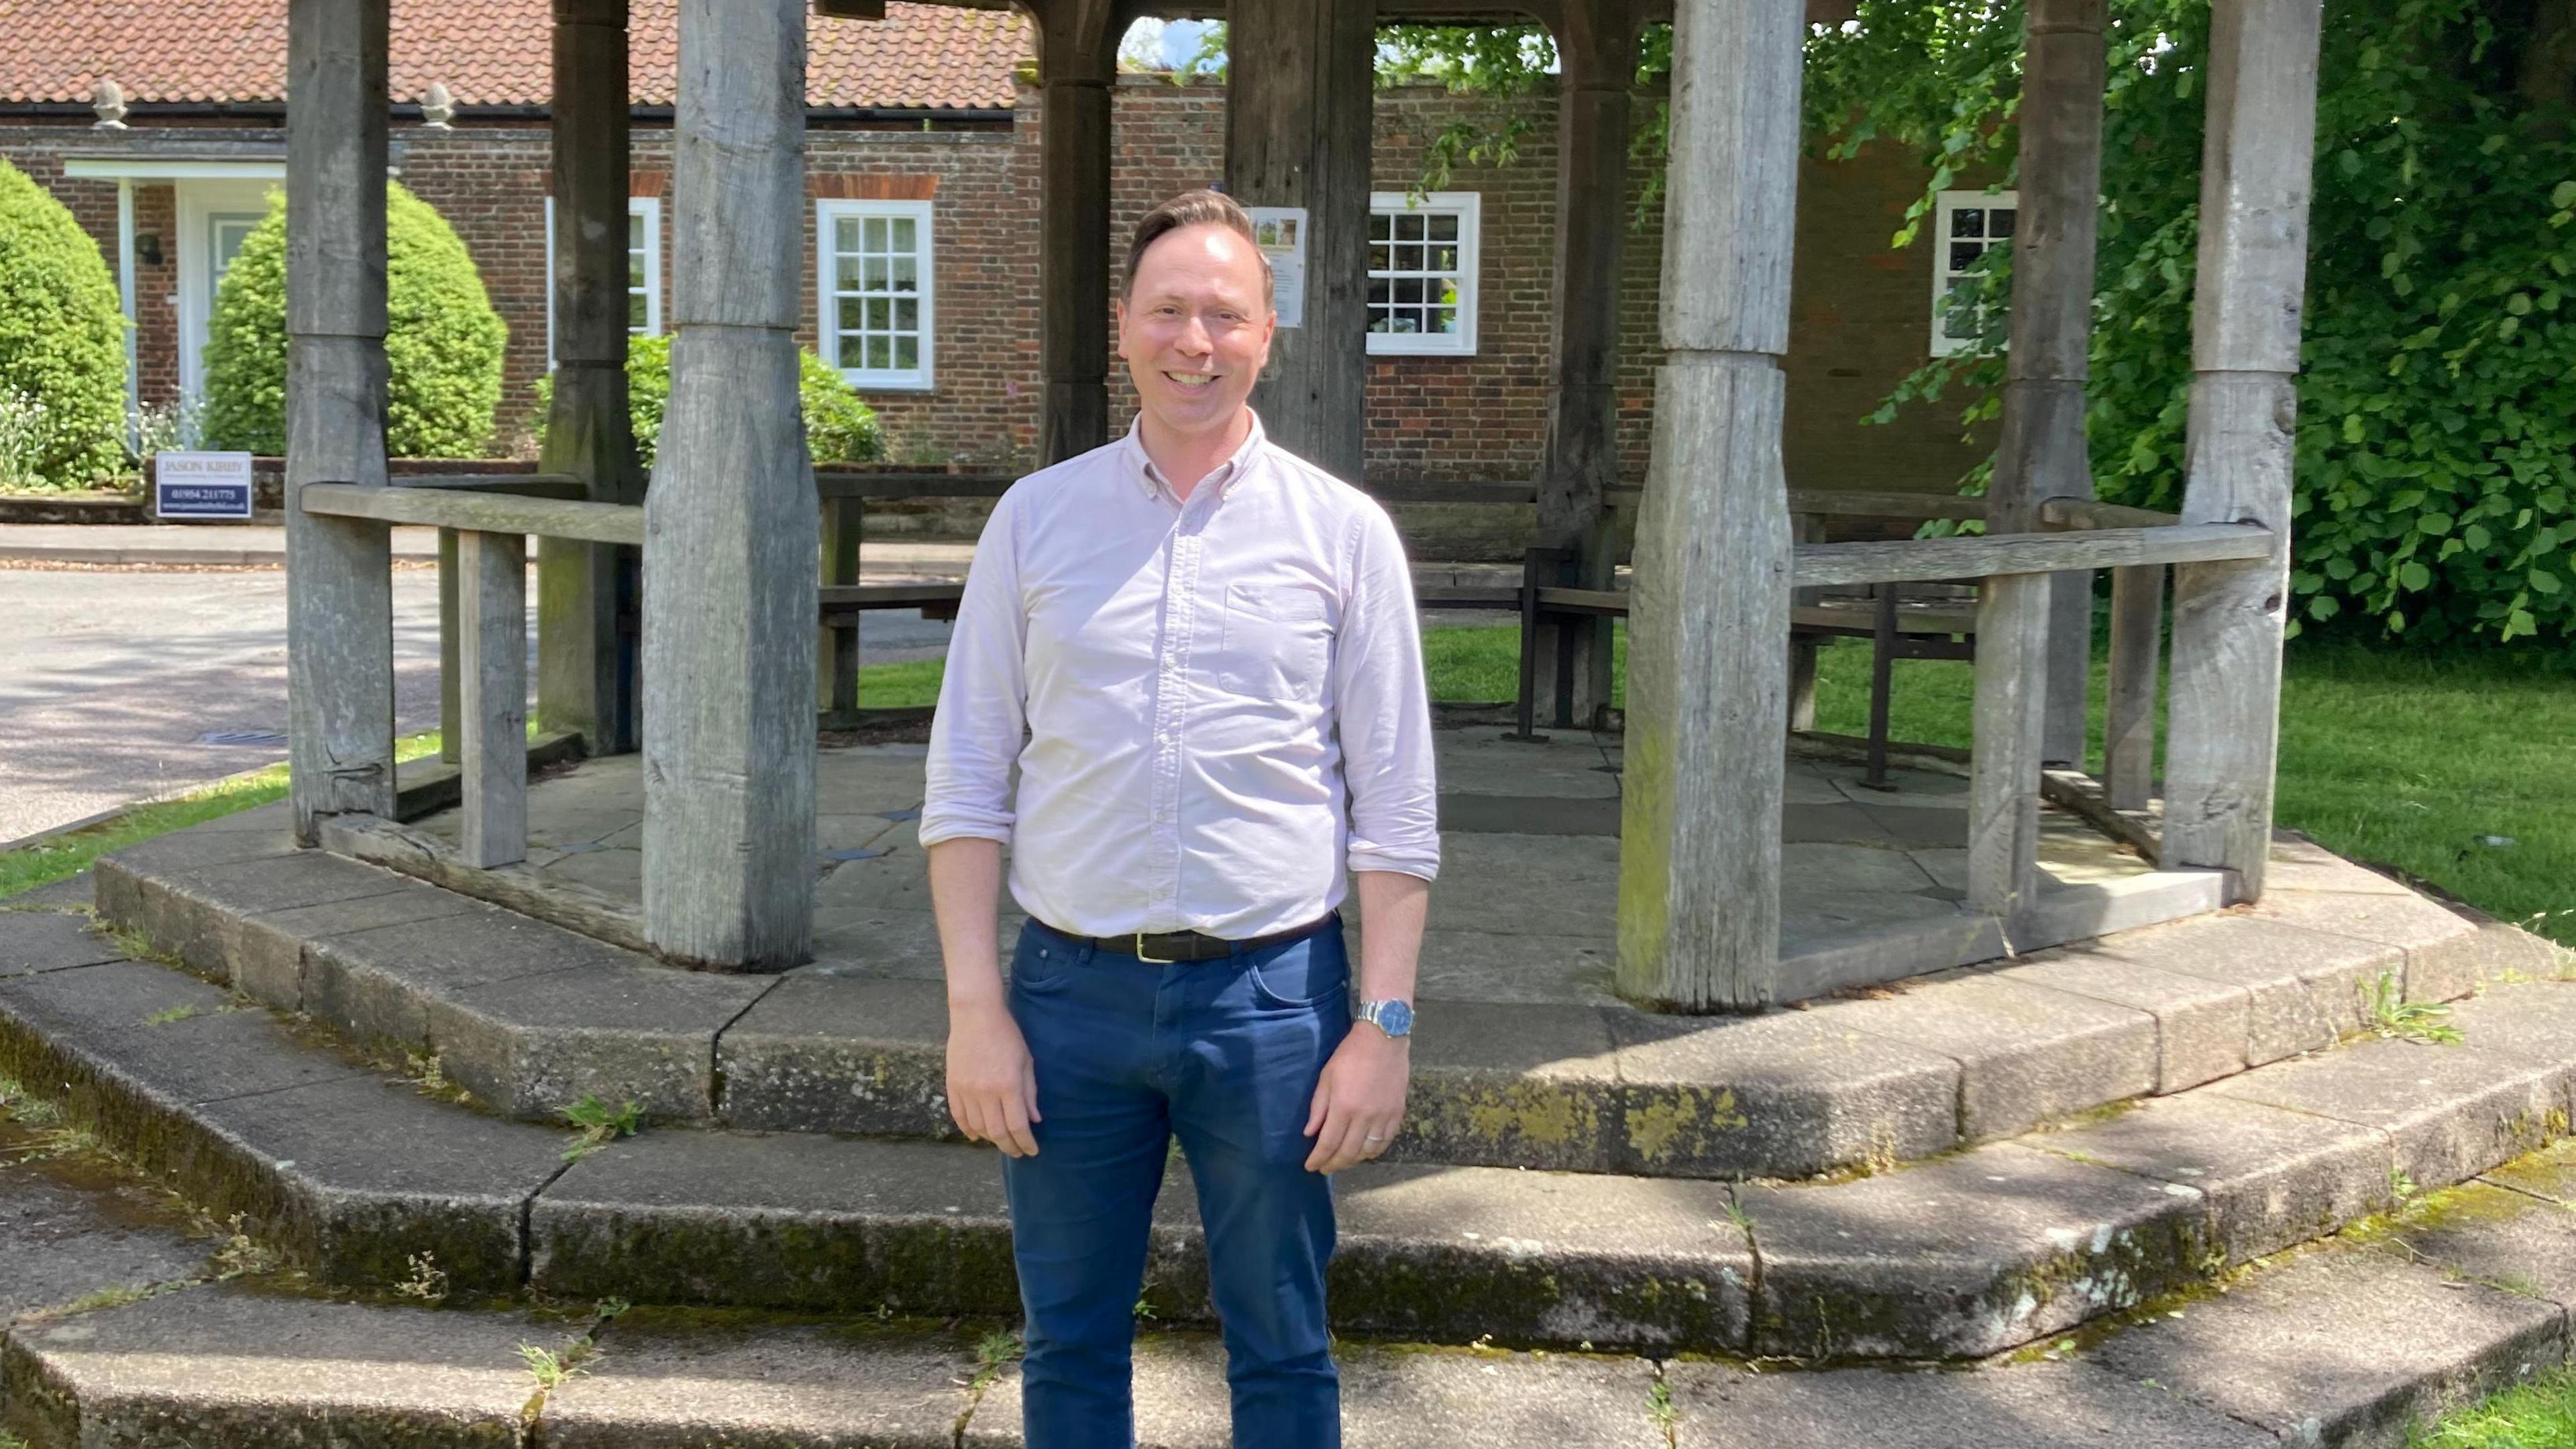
(530, 1017)
(2350, 1346)
(1966, 1255)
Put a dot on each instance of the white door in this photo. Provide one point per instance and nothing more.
(214, 217)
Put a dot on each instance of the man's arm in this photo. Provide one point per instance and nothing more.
(965, 818)
(1359, 1102)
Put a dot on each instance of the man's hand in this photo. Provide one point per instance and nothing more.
(992, 1088)
(1359, 1101)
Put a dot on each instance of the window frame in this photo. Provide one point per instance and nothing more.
(1470, 207)
(828, 212)
(649, 210)
(1946, 204)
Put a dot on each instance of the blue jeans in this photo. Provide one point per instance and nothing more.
(1224, 1055)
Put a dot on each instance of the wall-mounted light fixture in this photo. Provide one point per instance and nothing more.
(147, 248)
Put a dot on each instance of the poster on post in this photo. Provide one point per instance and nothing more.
(1281, 233)
(201, 485)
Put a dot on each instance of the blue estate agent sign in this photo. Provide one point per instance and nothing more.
(201, 485)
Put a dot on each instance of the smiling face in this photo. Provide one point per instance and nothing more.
(1195, 329)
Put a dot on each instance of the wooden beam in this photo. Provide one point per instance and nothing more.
(492, 618)
(2003, 780)
(528, 485)
(2086, 513)
(484, 512)
(2224, 717)
(836, 661)
(1899, 507)
(732, 538)
(1707, 720)
(2041, 451)
(1919, 560)
(339, 618)
(1596, 45)
(586, 590)
(1299, 104)
(1077, 74)
(2129, 713)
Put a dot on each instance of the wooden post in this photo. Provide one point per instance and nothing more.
(836, 662)
(586, 591)
(1299, 103)
(1699, 864)
(2004, 771)
(1077, 75)
(2129, 714)
(492, 589)
(339, 618)
(2041, 453)
(1597, 51)
(451, 670)
(731, 540)
(2224, 717)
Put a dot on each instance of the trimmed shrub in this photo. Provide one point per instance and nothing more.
(443, 341)
(839, 426)
(62, 343)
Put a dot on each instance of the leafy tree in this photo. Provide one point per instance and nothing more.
(62, 343)
(443, 341)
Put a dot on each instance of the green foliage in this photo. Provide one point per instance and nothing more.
(62, 344)
(595, 1124)
(839, 426)
(2437, 406)
(443, 341)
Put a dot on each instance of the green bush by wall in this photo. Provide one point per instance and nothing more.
(839, 427)
(62, 343)
(443, 341)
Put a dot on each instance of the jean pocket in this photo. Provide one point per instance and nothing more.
(1039, 965)
(1304, 973)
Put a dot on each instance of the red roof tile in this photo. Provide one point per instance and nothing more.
(486, 52)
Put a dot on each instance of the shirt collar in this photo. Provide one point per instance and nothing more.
(1220, 478)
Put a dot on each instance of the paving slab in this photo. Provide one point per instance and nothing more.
(2450, 1111)
(2026, 1053)
(2202, 1026)
(2297, 863)
(661, 1382)
(132, 1041)
(2480, 1232)
(829, 1223)
(71, 893)
(2533, 1020)
(189, 914)
(222, 1368)
(2549, 1174)
(1512, 1085)
(1391, 1399)
(34, 941)
(1783, 1095)
(2440, 945)
(2270, 1177)
(832, 1054)
(2304, 988)
(268, 950)
(119, 878)
(375, 986)
(1483, 762)
(2343, 1348)
(621, 1031)
(2044, 1406)
(67, 1232)
(1961, 1257)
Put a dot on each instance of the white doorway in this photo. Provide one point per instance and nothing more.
(213, 218)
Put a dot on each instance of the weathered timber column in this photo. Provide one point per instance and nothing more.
(2041, 453)
(731, 542)
(1699, 862)
(339, 616)
(1298, 105)
(2224, 716)
(1077, 71)
(1597, 51)
(585, 657)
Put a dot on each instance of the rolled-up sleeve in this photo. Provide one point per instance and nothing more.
(983, 701)
(1384, 708)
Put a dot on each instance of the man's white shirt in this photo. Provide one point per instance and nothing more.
(1213, 705)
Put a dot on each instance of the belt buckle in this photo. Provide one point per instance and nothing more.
(1152, 960)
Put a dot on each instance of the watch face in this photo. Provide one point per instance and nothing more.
(1395, 1018)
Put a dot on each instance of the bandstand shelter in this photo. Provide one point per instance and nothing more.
(678, 615)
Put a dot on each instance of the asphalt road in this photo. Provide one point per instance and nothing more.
(120, 685)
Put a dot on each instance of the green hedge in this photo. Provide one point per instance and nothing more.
(62, 344)
(839, 427)
(443, 341)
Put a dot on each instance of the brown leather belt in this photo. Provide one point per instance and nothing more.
(1165, 947)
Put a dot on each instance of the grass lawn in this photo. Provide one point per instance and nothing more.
(2538, 1415)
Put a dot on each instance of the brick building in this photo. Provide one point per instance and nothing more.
(921, 157)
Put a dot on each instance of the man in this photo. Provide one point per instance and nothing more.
(1194, 647)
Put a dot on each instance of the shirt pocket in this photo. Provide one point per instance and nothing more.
(1277, 642)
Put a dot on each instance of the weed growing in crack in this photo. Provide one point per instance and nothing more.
(55, 1142)
(1660, 1409)
(115, 1296)
(425, 1071)
(2388, 1014)
(242, 1256)
(427, 1282)
(172, 1014)
(596, 1124)
(996, 1351)
(550, 1368)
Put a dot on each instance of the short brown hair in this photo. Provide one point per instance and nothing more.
(1194, 208)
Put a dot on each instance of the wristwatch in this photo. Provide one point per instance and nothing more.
(1395, 1018)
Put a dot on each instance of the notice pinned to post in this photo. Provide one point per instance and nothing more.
(1281, 233)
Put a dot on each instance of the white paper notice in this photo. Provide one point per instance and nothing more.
(1281, 231)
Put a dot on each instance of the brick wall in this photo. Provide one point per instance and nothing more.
(1861, 312)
